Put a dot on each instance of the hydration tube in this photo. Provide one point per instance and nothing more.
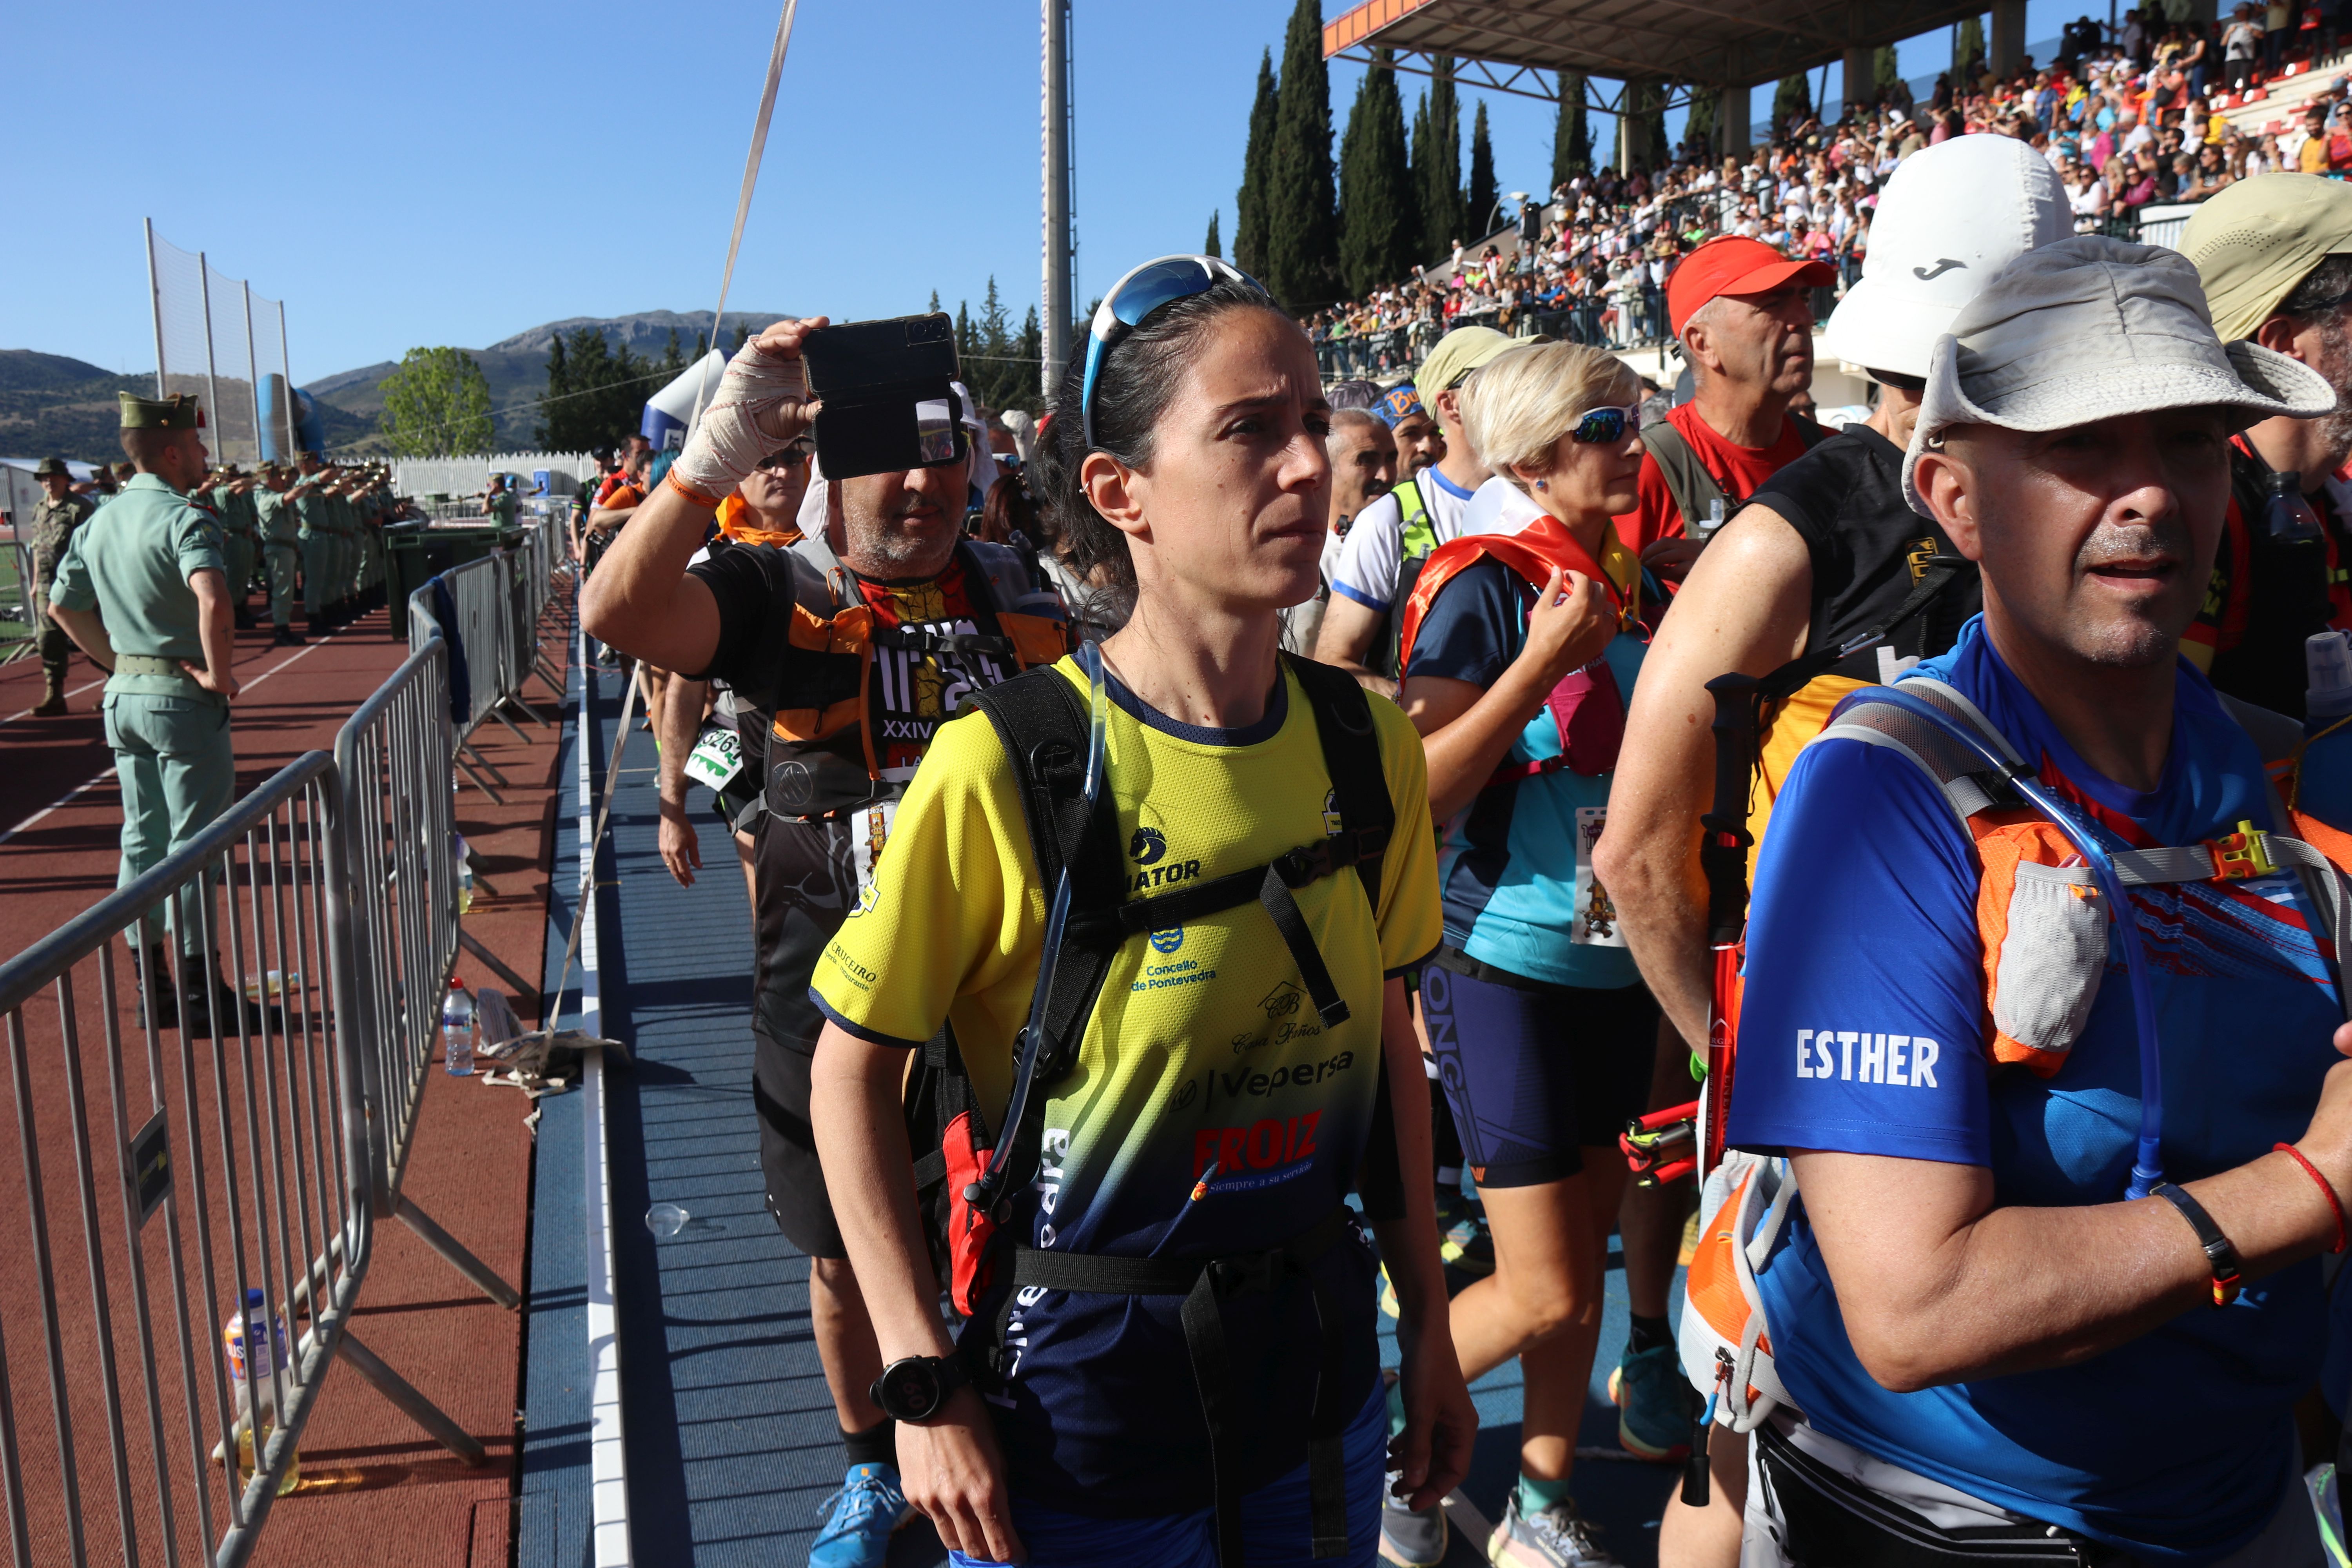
(2148, 1170)
(1030, 1045)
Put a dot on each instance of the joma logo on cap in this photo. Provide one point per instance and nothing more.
(1943, 264)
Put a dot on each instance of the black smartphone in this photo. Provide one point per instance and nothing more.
(889, 402)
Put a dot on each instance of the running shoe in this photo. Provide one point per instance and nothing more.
(1654, 1404)
(860, 1519)
(1461, 1238)
(1559, 1537)
(1410, 1540)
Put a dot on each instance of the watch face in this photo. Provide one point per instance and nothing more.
(909, 1389)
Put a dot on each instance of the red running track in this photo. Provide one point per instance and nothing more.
(379, 1491)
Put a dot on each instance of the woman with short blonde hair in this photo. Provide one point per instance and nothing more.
(1519, 648)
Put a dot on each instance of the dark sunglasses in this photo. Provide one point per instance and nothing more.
(1143, 290)
(789, 457)
(1599, 426)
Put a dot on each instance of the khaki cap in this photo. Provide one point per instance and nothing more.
(177, 412)
(47, 466)
(2253, 242)
(1457, 353)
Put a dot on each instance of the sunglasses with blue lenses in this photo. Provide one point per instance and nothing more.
(1159, 282)
(1599, 426)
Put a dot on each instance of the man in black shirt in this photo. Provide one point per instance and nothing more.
(854, 659)
(1825, 549)
(2276, 256)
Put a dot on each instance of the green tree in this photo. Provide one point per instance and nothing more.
(1483, 197)
(1211, 247)
(436, 403)
(1967, 54)
(1699, 127)
(1302, 251)
(559, 392)
(743, 331)
(1791, 101)
(1439, 165)
(602, 400)
(1378, 231)
(1885, 74)
(673, 359)
(1257, 154)
(1571, 138)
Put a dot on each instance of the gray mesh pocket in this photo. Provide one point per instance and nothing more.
(2053, 957)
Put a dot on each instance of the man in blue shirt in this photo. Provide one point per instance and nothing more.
(1981, 1331)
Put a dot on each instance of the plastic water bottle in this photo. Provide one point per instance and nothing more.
(2324, 778)
(465, 874)
(254, 1347)
(457, 1030)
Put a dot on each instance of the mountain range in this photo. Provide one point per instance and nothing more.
(54, 403)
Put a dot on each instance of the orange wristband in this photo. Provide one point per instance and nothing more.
(697, 497)
(2296, 1155)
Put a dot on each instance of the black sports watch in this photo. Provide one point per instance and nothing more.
(912, 1388)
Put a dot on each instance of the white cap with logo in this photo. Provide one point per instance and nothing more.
(1951, 217)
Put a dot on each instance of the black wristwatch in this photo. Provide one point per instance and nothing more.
(912, 1388)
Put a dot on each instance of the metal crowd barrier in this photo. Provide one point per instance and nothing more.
(496, 603)
(18, 605)
(253, 1149)
(262, 1160)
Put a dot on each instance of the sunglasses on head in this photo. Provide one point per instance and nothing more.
(1157, 282)
(1598, 427)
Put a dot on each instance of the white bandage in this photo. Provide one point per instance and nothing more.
(745, 422)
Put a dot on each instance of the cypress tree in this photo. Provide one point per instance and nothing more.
(1211, 247)
(559, 392)
(1481, 199)
(1249, 206)
(1571, 138)
(1441, 165)
(1885, 73)
(1302, 249)
(1967, 54)
(1791, 101)
(1379, 237)
(1706, 109)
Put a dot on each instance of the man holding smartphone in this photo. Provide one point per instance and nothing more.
(943, 617)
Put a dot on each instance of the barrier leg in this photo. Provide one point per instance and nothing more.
(466, 747)
(480, 782)
(499, 714)
(415, 1406)
(454, 1253)
(524, 990)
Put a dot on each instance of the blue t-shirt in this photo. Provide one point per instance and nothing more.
(1864, 1030)
(1513, 869)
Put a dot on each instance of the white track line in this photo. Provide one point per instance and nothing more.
(94, 684)
(92, 784)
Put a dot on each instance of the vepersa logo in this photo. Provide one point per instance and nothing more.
(1148, 846)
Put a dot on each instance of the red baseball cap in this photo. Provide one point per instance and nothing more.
(1733, 264)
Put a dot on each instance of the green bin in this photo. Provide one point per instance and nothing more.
(416, 552)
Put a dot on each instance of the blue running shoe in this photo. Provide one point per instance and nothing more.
(1654, 1404)
(860, 1519)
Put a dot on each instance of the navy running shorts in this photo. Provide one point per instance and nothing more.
(1535, 1073)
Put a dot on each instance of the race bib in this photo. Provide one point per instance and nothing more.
(1596, 918)
(717, 757)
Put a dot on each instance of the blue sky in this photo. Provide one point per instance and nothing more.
(436, 172)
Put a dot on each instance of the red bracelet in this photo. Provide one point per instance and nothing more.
(2296, 1155)
(697, 497)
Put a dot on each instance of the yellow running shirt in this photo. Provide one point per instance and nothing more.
(1210, 1111)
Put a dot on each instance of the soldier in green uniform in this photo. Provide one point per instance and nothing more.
(53, 521)
(142, 591)
(309, 497)
(102, 485)
(498, 501)
(232, 503)
(281, 549)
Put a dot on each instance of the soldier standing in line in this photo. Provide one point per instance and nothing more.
(232, 502)
(309, 497)
(281, 549)
(53, 521)
(142, 590)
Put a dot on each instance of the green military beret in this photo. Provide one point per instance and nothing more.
(47, 466)
(177, 412)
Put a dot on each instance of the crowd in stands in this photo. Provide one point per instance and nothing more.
(2128, 122)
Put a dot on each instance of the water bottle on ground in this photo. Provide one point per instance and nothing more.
(254, 1346)
(2323, 780)
(465, 874)
(457, 1030)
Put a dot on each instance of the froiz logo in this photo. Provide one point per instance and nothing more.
(1943, 264)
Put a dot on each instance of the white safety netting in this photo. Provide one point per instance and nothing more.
(219, 340)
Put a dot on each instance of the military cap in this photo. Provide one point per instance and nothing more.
(177, 412)
(124, 471)
(47, 466)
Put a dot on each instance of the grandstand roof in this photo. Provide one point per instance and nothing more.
(1723, 43)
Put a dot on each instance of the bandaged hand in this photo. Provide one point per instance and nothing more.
(761, 406)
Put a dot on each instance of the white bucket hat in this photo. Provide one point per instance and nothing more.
(1949, 219)
(2091, 328)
